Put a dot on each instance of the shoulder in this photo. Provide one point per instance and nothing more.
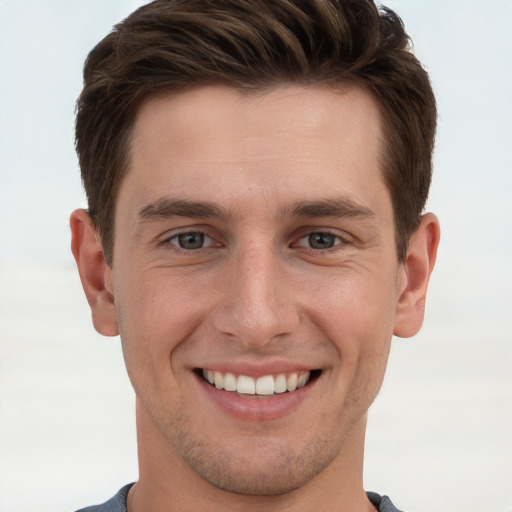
(383, 503)
(115, 504)
(118, 502)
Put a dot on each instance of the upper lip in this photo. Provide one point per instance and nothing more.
(255, 370)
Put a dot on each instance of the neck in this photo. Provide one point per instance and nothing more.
(167, 483)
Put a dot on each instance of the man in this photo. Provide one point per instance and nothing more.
(256, 173)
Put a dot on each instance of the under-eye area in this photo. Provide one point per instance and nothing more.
(265, 385)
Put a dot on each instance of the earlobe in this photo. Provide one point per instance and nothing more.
(94, 272)
(417, 268)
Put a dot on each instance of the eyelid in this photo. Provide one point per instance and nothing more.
(176, 236)
(170, 236)
(342, 237)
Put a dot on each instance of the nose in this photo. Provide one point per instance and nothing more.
(257, 303)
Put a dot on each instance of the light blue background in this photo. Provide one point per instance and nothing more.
(440, 434)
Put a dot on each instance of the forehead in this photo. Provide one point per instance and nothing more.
(217, 143)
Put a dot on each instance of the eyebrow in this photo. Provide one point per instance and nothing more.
(333, 207)
(167, 207)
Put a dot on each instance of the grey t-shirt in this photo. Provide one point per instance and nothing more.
(118, 503)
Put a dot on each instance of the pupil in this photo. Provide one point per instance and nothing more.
(321, 240)
(191, 240)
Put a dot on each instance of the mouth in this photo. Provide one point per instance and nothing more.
(263, 386)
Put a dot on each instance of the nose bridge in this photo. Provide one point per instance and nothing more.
(258, 305)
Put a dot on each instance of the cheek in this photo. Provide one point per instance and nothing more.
(156, 314)
(355, 304)
(161, 304)
(356, 314)
(361, 332)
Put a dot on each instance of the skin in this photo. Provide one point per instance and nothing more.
(259, 296)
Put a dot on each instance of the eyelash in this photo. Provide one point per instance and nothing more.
(336, 238)
(337, 241)
(177, 237)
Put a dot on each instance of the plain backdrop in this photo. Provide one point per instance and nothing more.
(439, 434)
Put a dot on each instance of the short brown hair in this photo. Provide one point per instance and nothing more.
(173, 45)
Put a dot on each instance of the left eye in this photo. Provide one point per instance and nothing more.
(319, 241)
(191, 240)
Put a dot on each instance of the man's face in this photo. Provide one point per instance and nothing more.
(255, 247)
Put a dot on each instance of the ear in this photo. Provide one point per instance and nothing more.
(417, 267)
(94, 272)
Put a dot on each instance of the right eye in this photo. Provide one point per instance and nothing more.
(191, 240)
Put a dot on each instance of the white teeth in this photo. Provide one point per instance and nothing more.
(303, 378)
(246, 385)
(219, 380)
(280, 384)
(291, 382)
(265, 385)
(229, 382)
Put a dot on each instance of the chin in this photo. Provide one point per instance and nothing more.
(267, 467)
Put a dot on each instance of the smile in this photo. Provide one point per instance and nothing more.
(263, 386)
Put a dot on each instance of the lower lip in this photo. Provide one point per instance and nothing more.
(254, 407)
